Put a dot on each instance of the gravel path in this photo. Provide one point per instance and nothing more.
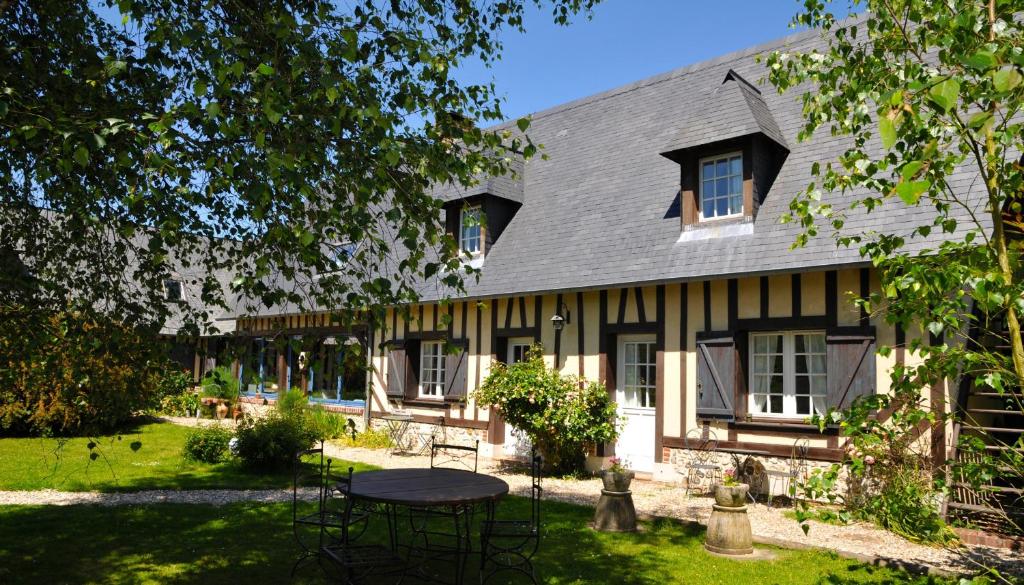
(215, 497)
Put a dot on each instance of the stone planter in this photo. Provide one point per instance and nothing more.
(615, 510)
(617, 481)
(729, 525)
(731, 496)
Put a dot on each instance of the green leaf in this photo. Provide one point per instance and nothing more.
(887, 130)
(523, 124)
(306, 238)
(265, 69)
(82, 156)
(213, 109)
(98, 141)
(910, 191)
(3, 109)
(981, 60)
(199, 88)
(273, 115)
(945, 93)
(911, 169)
(980, 120)
(1006, 79)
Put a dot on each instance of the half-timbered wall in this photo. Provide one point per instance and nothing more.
(678, 316)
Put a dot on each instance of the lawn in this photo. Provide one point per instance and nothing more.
(252, 544)
(146, 456)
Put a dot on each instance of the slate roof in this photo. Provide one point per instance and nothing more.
(602, 209)
(508, 186)
(735, 108)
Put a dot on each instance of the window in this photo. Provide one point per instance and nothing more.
(788, 373)
(432, 359)
(172, 290)
(721, 186)
(640, 374)
(518, 349)
(469, 232)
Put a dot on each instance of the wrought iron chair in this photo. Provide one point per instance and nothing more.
(315, 523)
(443, 534)
(454, 456)
(347, 562)
(701, 443)
(797, 470)
(509, 545)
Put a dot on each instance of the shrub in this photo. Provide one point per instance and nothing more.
(271, 442)
(562, 415)
(67, 374)
(327, 424)
(207, 444)
(174, 382)
(292, 402)
(186, 404)
(368, 439)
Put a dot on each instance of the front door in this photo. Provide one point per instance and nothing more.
(517, 444)
(635, 395)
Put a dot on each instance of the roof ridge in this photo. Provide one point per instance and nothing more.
(734, 56)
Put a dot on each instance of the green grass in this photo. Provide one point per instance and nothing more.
(147, 456)
(252, 544)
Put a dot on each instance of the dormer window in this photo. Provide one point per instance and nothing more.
(469, 233)
(172, 291)
(721, 186)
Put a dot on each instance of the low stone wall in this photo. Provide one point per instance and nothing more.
(776, 483)
(417, 434)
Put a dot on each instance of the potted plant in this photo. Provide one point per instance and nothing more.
(730, 493)
(616, 477)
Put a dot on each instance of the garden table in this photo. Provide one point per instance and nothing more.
(424, 488)
(397, 425)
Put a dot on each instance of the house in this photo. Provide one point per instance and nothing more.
(646, 251)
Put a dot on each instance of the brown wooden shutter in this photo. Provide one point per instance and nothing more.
(396, 372)
(455, 370)
(412, 369)
(716, 375)
(850, 365)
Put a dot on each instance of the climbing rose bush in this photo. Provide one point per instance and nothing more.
(562, 415)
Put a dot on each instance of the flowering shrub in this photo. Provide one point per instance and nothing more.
(562, 415)
(617, 465)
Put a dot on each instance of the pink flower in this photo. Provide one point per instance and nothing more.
(870, 460)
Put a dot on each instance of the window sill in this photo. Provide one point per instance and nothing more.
(425, 403)
(781, 424)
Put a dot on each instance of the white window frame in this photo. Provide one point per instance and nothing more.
(432, 375)
(789, 375)
(647, 393)
(517, 342)
(474, 224)
(700, 185)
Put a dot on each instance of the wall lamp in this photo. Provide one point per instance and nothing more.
(558, 321)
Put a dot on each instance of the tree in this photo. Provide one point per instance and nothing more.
(929, 95)
(280, 152)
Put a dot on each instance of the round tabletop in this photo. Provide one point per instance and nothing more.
(426, 487)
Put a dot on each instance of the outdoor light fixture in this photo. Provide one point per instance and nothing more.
(558, 321)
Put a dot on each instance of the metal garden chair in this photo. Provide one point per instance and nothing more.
(797, 470)
(509, 545)
(701, 443)
(316, 523)
(347, 562)
(441, 534)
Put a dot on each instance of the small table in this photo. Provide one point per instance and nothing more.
(428, 488)
(397, 426)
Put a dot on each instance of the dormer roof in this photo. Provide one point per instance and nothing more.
(508, 186)
(735, 108)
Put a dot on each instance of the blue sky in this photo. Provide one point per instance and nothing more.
(626, 40)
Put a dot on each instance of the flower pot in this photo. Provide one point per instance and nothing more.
(617, 481)
(731, 496)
